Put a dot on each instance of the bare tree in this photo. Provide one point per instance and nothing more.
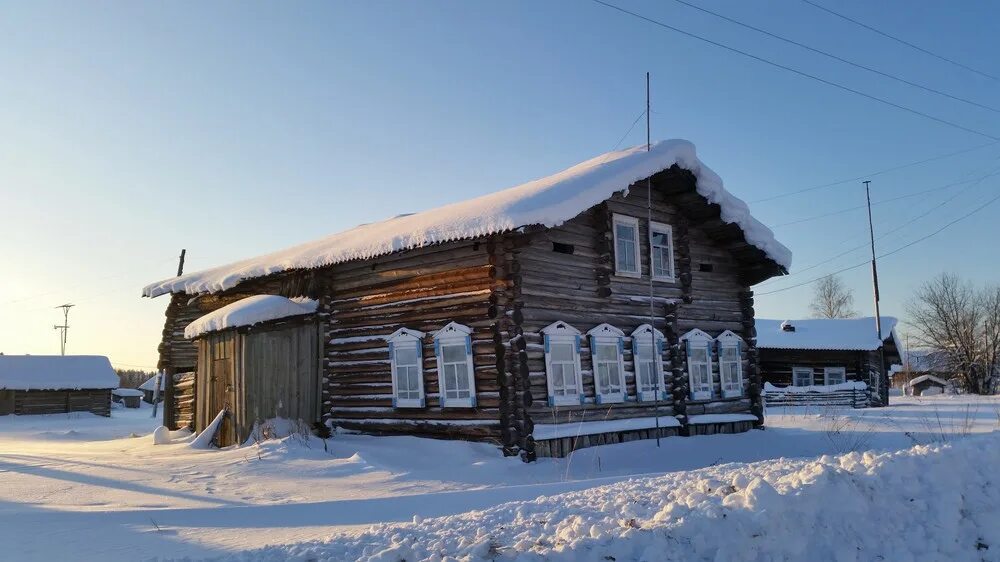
(831, 299)
(952, 317)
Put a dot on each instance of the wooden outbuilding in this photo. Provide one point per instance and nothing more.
(128, 397)
(56, 384)
(606, 303)
(258, 358)
(822, 361)
(927, 385)
(148, 389)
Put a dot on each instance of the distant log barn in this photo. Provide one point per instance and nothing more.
(56, 384)
(546, 317)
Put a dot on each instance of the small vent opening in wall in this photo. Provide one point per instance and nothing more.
(561, 248)
(705, 267)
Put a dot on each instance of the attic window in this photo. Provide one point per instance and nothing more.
(706, 267)
(561, 248)
(787, 326)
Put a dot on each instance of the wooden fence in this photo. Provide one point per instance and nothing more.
(852, 398)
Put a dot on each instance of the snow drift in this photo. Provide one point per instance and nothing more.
(548, 201)
(926, 503)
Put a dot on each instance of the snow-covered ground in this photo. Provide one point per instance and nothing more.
(82, 487)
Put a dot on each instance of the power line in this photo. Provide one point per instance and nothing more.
(902, 41)
(838, 58)
(621, 140)
(887, 254)
(889, 200)
(873, 174)
(884, 234)
(796, 71)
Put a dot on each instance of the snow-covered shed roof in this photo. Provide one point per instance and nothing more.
(932, 378)
(56, 372)
(249, 311)
(856, 334)
(548, 201)
(150, 384)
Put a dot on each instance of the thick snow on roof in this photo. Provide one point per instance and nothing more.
(150, 384)
(548, 201)
(249, 311)
(56, 372)
(824, 333)
(922, 378)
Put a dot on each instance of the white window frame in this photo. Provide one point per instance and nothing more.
(640, 336)
(796, 370)
(632, 222)
(729, 340)
(608, 335)
(699, 339)
(669, 231)
(561, 333)
(826, 374)
(405, 338)
(454, 334)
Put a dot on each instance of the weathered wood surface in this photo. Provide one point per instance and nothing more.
(183, 400)
(849, 398)
(28, 402)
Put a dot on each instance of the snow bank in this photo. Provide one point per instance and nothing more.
(821, 388)
(548, 201)
(204, 439)
(249, 311)
(557, 430)
(925, 503)
(824, 333)
(56, 372)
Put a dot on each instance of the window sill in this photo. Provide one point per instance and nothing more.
(628, 275)
(665, 279)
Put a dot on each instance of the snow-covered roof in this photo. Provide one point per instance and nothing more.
(249, 311)
(548, 201)
(922, 378)
(150, 384)
(824, 333)
(56, 372)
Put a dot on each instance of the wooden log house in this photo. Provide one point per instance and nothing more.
(56, 384)
(546, 317)
(819, 358)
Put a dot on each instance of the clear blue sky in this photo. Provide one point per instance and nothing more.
(129, 130)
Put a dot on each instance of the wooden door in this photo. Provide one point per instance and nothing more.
(222, 386)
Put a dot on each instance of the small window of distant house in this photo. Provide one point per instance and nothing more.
(562, 364)
(699, 359)
(626, 234)
(647, 356)
(802, 376)
(661, 251)
(453, 347)
(730, 364)
(606, 349)
(406, 360)
(834, 375)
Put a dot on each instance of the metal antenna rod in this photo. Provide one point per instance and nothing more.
(652, 313)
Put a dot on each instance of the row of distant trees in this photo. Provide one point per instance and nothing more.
(132, 378)
(949, 315)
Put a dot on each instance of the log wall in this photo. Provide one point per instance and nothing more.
(422, 290)
(28, 402)
(581, 288)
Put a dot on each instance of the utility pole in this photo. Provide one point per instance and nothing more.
(878, 314)
(168, 386)
(64, 329)
(652, 314)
